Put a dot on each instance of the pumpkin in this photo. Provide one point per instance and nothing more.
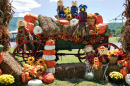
(50, 70)
(63, 21)
(50, 42)
(35, 82)
(26, 76)
(23, 77)
(50, 64)
(37, 30)
(89, 76)
(49, 52)
(48, 78)
(30, 27)
(124, 71)
(127, 79)
(49, 47)
(99, 19)
(0, 72)
(48, 57)
(1, 57)
(128, 66)
(30, 18)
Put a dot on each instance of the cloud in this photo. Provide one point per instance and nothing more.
(53, 0)
(105, 22)
(22, 14)
(25, 5)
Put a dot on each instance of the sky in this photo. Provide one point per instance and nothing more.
(109, 9)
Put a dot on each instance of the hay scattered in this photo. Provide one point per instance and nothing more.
(70, 70)
(48, 25)
(98, 74)
(11, 66)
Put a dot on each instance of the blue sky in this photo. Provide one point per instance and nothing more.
(109, 9)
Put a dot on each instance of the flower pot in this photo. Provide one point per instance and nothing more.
(113, 59)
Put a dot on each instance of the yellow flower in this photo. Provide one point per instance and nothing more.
(30, 59)
(116, 50)
(41, 61)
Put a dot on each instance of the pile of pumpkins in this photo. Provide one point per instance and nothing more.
(49, 57)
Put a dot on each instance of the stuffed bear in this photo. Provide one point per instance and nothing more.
(74, 9)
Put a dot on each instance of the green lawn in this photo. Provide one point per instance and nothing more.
(113, 39)
(72, 82)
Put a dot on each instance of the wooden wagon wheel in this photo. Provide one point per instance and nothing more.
(109, 46)
(79, 56)
(31, 50)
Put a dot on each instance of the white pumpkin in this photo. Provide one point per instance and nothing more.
(48, 57)
(54, 19)
(74, 21)
(50, 70)
(37, 30)
(35, 82)
(89, 76)
(47, 47)
(127, 79)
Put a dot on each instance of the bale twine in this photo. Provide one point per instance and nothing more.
(70, 70)
(11, 66)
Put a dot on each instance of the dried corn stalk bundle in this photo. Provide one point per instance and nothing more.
(126, 34)
(6, 12)
(49, 27)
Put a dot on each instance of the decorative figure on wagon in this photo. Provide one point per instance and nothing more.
(60, 8)
(22, 32)
(90, 53)
(103, 57)
(82, 13)
(97, 63)
(74, 9)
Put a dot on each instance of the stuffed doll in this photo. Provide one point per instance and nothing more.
(89, 53)
(97, 63)
(74, 9)
(22, 31)
(82, 13)
(60, 8)
(103, 57)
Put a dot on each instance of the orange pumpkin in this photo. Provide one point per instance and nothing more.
(99, 19)
(48, 78)
(50, 64)
(30, 27)
(50, 42)
(63, 22)
(30, 18)
(1, 57)
(26, 76)
(124, 71)
(49, 52)
(128, 66)
(23, 77)
(0, 72)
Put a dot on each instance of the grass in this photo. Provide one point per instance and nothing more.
(113, 39)
(72, 82)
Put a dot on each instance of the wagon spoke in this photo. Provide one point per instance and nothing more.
(109, 47)
(28, 49)
(18, 55)
(32, 48)
(39, 54)
(37, 49)
(23, 52)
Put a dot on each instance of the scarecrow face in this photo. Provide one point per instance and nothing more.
(74, 3)
(21, 23)
(88, 49)
(102, 51)
(60, 2)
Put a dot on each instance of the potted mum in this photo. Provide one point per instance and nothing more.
(113, 54)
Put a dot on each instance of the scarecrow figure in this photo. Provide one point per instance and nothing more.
(22, 31)
(82, 13)
(103, 57)
(90, 53)
(74, 9)
(60, 8)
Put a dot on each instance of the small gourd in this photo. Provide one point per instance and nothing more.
(48, 78)
(50, 64)
(124, 71)
(127, 79)
(89, 76)
(35, 82)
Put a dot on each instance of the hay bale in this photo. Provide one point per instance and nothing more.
(48, 25)
(113, 68)
(98, 74)
(70, 70)
(11, 66)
